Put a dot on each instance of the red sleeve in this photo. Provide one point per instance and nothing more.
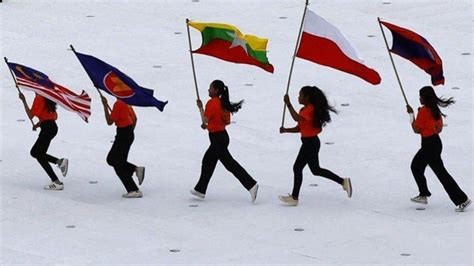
(38, 105)
(306, 113)
(117, 111)
(421, 118)
(210, 109)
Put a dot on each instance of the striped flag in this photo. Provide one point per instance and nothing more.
(324, 44)
(228, 43)
(40, 83)
(412, 46)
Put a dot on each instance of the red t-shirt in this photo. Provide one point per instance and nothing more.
(306, 122)
(217, 118)
(122, 114)
(40, 110)
(426, 124)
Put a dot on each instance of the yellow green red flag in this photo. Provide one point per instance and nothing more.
(228, 43)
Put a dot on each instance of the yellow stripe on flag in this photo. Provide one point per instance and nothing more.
(256, 43)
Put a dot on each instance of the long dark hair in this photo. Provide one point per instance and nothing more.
(433, 102)
(224, 95)
(50, 105)
(322, 108)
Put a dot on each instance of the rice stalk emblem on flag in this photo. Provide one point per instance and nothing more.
(117, 83)
(116, 86)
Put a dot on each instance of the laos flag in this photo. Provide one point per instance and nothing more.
(418, 50)
(116, 83)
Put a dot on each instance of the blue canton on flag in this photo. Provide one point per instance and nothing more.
(40, 83)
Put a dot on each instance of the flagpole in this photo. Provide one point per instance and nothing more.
(18, 88)
(192, 59)
(393, 63)
(293, 60)
(102, 96)
(194, 70)
(108, 107)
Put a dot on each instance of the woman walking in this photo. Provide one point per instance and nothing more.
(45, 110)
(125, 119)
(216, 117)
(311, 119)
(429, 123)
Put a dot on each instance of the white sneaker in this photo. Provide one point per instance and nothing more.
(55, 186)
(140, 172)
(133, 194)
(63, 165)
(420, 199)
(463, 206)
(288, 200)
(346, 185)
(253, 192)
(197, 194)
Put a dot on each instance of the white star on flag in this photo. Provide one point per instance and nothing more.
(237, 41)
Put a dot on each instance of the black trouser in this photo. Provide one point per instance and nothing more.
(49, 129)
(430, 154)
(218, 151)
(117, 157)
(308, 155)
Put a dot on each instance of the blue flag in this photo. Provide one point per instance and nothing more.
(412, 46)
(116, 83)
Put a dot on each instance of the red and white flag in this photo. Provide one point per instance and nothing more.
(80, 104)
(40, 83)
(323, 43)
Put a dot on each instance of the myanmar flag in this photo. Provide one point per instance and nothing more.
(228, 43)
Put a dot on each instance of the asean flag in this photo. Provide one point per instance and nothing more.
(116, 83)
(323, 43)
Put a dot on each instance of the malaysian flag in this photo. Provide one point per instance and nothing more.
(38, 82)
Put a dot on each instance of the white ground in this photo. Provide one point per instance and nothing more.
(372, 141)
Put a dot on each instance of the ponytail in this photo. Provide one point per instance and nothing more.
(224, 95)
(433, 102)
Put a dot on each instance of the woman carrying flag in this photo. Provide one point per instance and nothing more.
(429, 123)
(216, 117)
(312, 117)
(45, 110)
(125, 119)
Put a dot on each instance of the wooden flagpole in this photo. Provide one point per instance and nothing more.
(293, 60)
(194, 70)
(393, 63)
(100, 93)
(192, 59)
(18, 88)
